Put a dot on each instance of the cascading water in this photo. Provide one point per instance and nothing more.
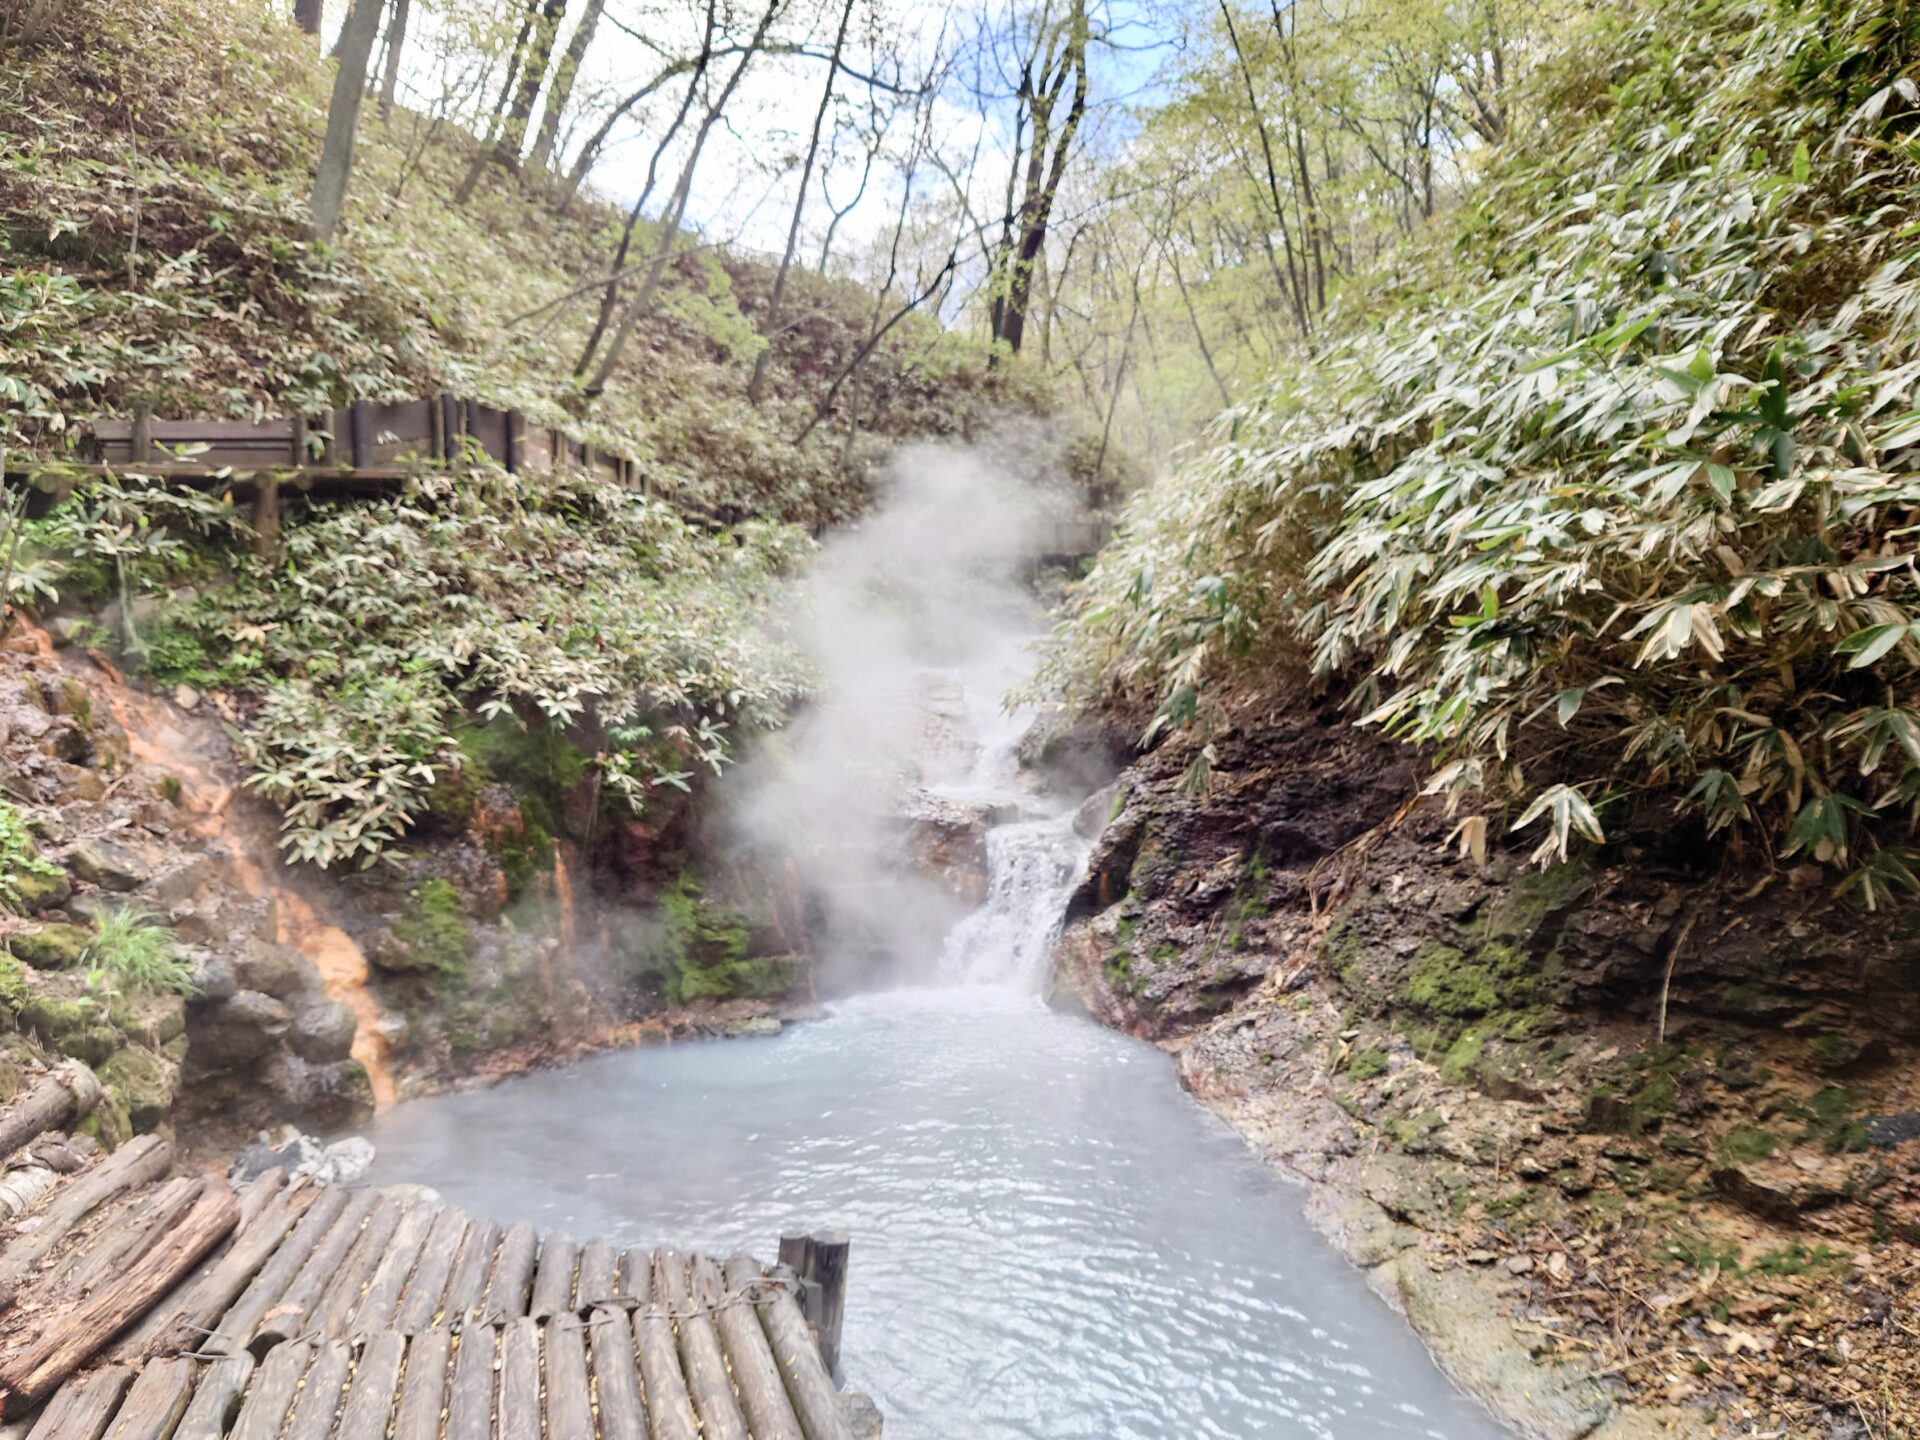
(1032, 866)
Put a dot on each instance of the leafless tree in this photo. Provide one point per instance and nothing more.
(343, 116)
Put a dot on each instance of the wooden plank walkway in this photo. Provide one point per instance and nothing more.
(140, 1305)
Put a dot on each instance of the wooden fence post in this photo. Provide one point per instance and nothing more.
(516, 427)
(266, 516)
(140, 442)
(362, 442)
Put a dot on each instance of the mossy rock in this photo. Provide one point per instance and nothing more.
(1448, 981)
(433, 937)
(1534, 895)
(109, 1123)
(142, 1084)
(34, 890)
(152, 1020)
(52, 947)
(75, 1025)
(13, 989)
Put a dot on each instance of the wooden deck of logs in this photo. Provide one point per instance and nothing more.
(140, 1305)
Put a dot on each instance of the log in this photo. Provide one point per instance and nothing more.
(135, 1163)
(215, 1404)
(157, 1401)
(520, 1382)
(271, 1394)
(809, 1386)
(319, 1398)
(370, 1396)
(569, 1403)
(596, 1284)
(470, 1400)
(24, 1188)
(341, 1298)
(700, 1356)
(421, 1301)
(83, 1410)
(181, 1320)
(56, 1343)
(553, 1283)
(615, 1378)
(635, 1278)
(120, 1236)
(383, 1291)
(669, 1406)
(67, 1092)
(290, 1314)
(512, 1270)
(425, 1395)
(467, 1287)
(236, 1329)
(756, 1375)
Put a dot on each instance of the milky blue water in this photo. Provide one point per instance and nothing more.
(1051, 1240)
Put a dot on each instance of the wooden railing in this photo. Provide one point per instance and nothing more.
(373, 440)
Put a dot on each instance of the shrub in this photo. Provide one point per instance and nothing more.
(1610, 501)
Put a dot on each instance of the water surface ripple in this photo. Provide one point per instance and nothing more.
(1051, 1240)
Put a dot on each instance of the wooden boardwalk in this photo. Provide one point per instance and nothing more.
(140, 1305)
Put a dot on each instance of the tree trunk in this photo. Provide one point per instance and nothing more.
(484, 155)
(1044, 173)
(396, 44)
(307, 15)
(677, 208)
(757, 385)
(533, 74)
(564, 74)
(343, 116)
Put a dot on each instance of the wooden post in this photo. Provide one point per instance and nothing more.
(297, 441)
(140, 442)
(516, 427)
(819, 1266)
(266, 515)
(828, 1253)
(358, 427)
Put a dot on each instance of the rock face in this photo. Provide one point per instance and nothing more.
(1502, 1081)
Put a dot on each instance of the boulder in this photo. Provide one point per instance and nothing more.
(273, 969)
(41, 892)
(213, 977)
(51, 947)
(151, 1020)
(323, 1031)
(108, 864)
(1786, 1187)
(238, 1030)
(330, 1096)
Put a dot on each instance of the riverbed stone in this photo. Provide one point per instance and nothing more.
(108, 864)
(238, 1030)
(323, 1030)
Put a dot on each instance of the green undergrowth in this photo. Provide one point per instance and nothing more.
(432, 930)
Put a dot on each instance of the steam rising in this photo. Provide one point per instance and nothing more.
(919, 624)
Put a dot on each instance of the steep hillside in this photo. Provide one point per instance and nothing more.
(153, 186)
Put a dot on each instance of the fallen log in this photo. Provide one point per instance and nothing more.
(82, 1411)
(135, 1163)
(421, 1300)
(615, 1379)
(290, 1314)
(470, 1401)
(182, 1320)
(67, 1092)
(39, 1350)
(215, 1404)
(154, 1406)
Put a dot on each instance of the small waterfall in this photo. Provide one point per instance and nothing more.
(1032, 867)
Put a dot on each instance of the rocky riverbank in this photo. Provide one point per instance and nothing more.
(251, 993)
(1633, 1148)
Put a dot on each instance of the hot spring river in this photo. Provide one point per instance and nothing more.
(1050, 1239)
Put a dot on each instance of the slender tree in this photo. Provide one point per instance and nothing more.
(756, 386)
(396, 43)
(343, 116)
